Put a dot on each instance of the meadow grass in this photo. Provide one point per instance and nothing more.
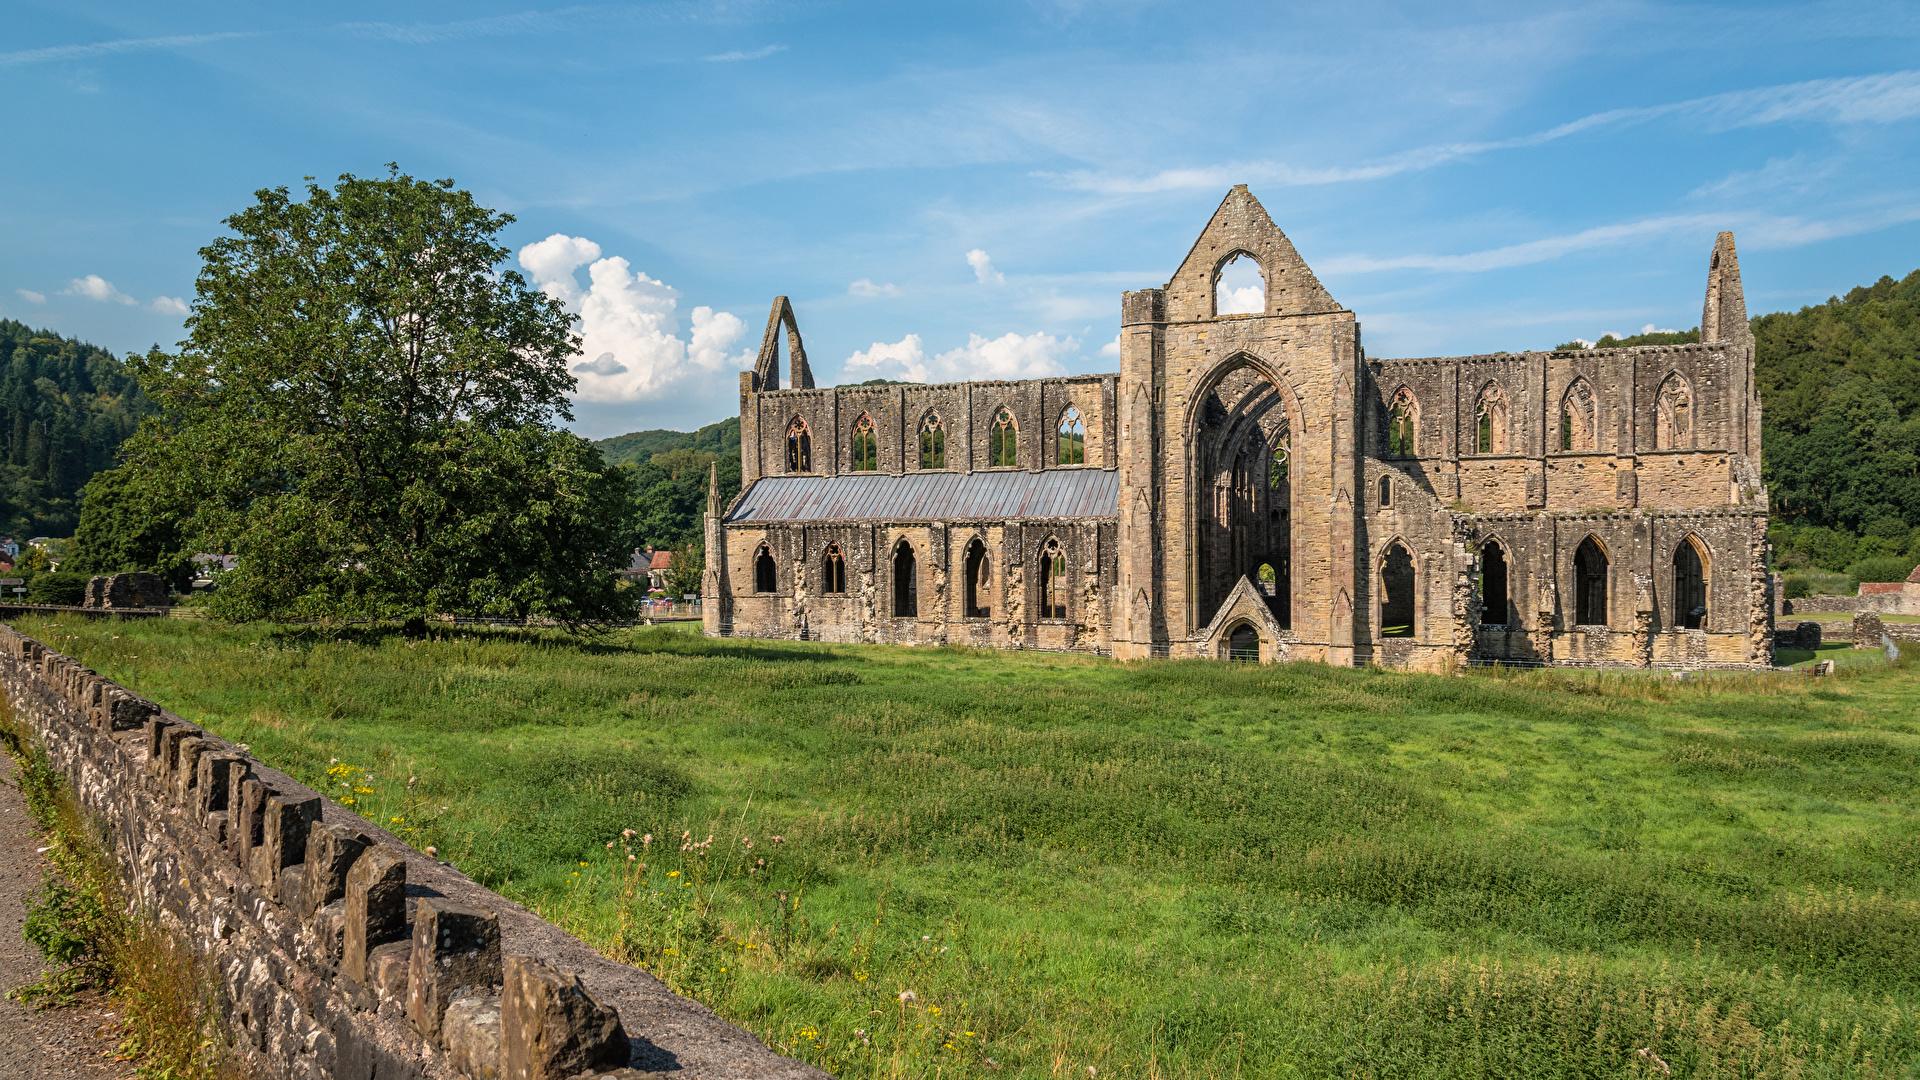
(945, 862)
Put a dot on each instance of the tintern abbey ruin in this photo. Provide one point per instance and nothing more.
(1256, 485)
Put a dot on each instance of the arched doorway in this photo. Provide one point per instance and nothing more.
(763, 571)
(1396, 591)
(1689, 586)
(1243, 479)
(906, 583)
(1493, 586)
(1589, 584)
(977, 579)
(1243, 644)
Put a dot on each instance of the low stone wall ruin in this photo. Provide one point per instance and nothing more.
(341, 953)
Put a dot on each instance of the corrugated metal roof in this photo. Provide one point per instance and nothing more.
(933, 496)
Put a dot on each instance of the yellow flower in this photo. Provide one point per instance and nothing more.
(583, 862)
(673, 873)
(933, 1010)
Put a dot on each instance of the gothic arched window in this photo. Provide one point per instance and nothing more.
(764, 580)
(1490, 421)
(1673, 415)
(1403, 424)
(833, 571)
(1689, 585)
(1003, 441)
(978, 578)
(1073, 439)
(906, 582)
(1579, 418)
(1053, 581)
(933, 442)
(799, 447)
(865, 446)
(1589, 584)
(1493, 585)
(1396, 591)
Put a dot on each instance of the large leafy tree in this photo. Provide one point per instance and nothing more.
(364, 412)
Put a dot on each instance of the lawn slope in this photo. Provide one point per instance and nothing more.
(956, 863)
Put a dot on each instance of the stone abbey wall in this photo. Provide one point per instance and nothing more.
(1275, 483)
(341, 953)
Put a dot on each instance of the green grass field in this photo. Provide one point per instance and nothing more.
(980, 863)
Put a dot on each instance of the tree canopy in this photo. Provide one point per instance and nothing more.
(364, 411)
(65, 408)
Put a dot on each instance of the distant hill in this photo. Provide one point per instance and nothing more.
(640, 446)
(65, 407)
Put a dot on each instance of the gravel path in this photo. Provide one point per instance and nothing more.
(53, 1044)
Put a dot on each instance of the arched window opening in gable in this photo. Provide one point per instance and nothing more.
(1239, 288)
(1243, 644)
(979, 580)
(1053, 581)
(1589, 584)
(1073, 438)
(1490, 424)
(1003, 441)
(1494, 600)
(1579, 418)
(799, 447)
(1386, 492)
(764, 580)
(1396, 589)
(933, 442)
(1689, 586)
(1673, 415)
(906, 582)
(866, 445)
(1403, 424)
(833, 571)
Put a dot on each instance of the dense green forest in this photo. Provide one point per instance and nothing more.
(65, 407)
(672, 481)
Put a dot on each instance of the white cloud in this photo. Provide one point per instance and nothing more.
(1890, 98)
(867, 289)
(95, 287)
(629, 323)
(169, 305)
(739, 55)
(1009, 356)
(120, 45)
(31, 297)
(1111, 348)
(983, 269)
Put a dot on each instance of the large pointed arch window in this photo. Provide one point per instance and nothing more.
(1673, 415)
(1073, 439)
(1239, 288)
(1053, 581)
(1403, 424)
(933, 442)
(1689, 585)
(1579, 418)
(1590, 584)
(833, 571)
(1490, 421)
(865, 446)
(799, 447)
(1003, 441)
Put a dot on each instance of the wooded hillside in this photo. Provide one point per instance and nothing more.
(65, 407)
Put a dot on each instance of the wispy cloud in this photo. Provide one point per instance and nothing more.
(31, 297)
(168, 305)
(740, 55)
(869, 289)
(54, 53)
(1756, 233)
(1866, 99)
(432, 33)
(95, 287)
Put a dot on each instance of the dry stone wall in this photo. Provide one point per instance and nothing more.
(341, 953)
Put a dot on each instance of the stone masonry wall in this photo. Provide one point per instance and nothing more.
(341, 953)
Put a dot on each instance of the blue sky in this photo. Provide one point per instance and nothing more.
(949, 191)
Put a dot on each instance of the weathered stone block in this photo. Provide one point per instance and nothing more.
(456, 951)
(157, 728)
(126, 712)
(470, 1032)
(239, 771)
(186, 772)
(210, 788)
(249, 820)
(387, 974)
(284, 825)
(376, 909)
(551, 1028)
(331, 851)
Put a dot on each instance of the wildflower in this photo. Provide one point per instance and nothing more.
(626, 834)
(673, 873)
(609, 845)
(933, 1010)
(583, 862)
(908, 997)
(747, 842)
(630, 856)
(647, 840)
(778, 839)
(433, 852)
